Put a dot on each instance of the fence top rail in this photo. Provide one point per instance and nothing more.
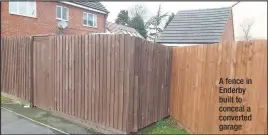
(79, 35)
(222, 42)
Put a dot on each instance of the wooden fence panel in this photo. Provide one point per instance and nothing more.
(151, 76)
(15, 63)
(116, 81)
(43, 75)
(194, 96)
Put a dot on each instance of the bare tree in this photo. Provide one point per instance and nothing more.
(137, 16)
(246, 27)
(155, 23)
(139, 10)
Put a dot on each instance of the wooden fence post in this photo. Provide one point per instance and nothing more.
(31, 72)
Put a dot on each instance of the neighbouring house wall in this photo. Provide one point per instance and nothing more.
(45, 21)
(228, 34)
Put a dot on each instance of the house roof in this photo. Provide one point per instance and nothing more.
(196, 26)
(121, 29)
(94, 5)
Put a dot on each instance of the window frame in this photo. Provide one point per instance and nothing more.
(61, 9)
(95, 18)
(18, 11)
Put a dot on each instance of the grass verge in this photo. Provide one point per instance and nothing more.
(5, 100)
(165, 126)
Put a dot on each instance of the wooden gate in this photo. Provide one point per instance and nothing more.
(43, 72)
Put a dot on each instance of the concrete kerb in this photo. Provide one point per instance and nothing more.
(34, 120)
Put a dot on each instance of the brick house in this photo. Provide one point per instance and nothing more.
(204, 26)
(27, 18)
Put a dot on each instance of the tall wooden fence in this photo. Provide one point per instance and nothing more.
(196, 72)
(15, 67)
(116, 81)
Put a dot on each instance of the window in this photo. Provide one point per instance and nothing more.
(62, 13)
(89, 19)
(25, 8)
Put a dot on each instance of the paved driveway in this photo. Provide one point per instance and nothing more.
(14, 124)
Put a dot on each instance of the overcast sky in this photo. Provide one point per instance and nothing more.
(256, 11)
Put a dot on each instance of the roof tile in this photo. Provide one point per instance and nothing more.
(94, 5)
(196, 26)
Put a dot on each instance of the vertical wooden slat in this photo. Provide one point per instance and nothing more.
(33, 70)
(73, 75)
(16, 66)
(69, 40)
(57, 73)
(11, 48)
(121, 81)
(93, 76)
(137, 63)
(164, 86)
(108, 80)
(22, 68)
(53, 48)
(112, 80)
(36, 81)
(97, 105)
(10, 68)
(104, 95)
(19, 67)
(25, 69)
(126, 83)
(82, 113)
(66, 72)
(155, 81)
(89, 81)
(50, 89)
(169, 76)
(28, 69)
(3, 62)
(20, 87)
(160, 74)
(63, 72)
(60, 73)
(101, 79)
(131, 83)
(149, 83)
(144, 88)
(7, 65)
(117, 70)
(79, 71)
(54, 72)
(86, 95)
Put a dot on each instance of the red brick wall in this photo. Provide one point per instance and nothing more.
(45, 21)
(228, 34)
